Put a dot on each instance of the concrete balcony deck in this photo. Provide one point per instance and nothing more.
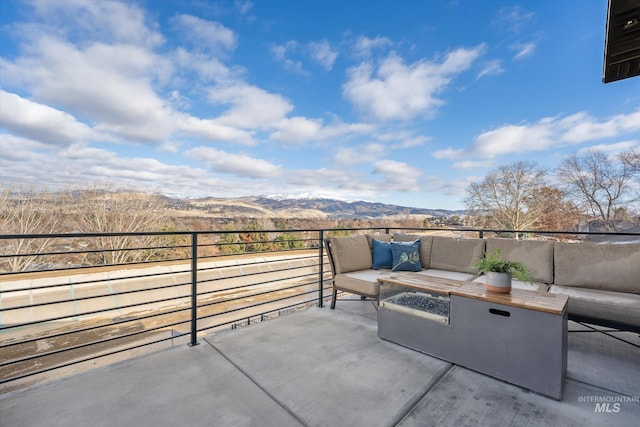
(329, 368)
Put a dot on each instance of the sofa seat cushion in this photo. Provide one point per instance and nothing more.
(517, 284)
(607, 267)
(536, 255)
(446, 274)
(363, 282)
(606, 305)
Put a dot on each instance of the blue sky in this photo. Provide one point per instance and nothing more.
(403, 102)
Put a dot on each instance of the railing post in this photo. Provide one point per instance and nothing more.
(481, 232)
(194, 290)
(321, 270)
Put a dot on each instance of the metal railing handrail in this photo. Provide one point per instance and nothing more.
(192, 301)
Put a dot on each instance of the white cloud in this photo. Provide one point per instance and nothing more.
(320, 52)
(282, 52)
(323, 54)
(412, 141)
(610, 148)
(345, 130)
(20, 150)
(110, 84)
(243, 6)
(398, 176)
(302, 129)
(357, 155)
(513, 19)
(251, 107)
(296, 129)
(448, 153)
(40, 122)
(395, 91)
(206, 35)
(237, 164)
(79, 165)
(321, 177)
(523, 50)
(491, 68)
(547, 133)
(581, 127)
(111, 21)
(364, 45)
(213, 131)
(513, 139)
(458, 187)
(207, 67)
(471, 164)
(401, 139)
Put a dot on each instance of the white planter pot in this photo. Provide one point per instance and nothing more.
(498, 282)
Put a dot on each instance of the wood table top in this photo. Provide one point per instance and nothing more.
(529, 299)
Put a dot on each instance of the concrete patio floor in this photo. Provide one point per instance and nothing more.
(328, 368)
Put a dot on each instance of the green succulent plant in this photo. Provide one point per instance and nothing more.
(494, 262)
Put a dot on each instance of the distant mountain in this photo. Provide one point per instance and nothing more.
(290, 207)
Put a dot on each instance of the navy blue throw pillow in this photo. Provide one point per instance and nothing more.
(381, 256)
(406, 256)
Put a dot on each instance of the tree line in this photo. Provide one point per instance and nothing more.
(591, 184)
(516, 196)
(35, 214)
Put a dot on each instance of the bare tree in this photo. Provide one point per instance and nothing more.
(600, 185)
(108, 211)
(26, 212)
(556, 212)
(631, 158)
(507, 195)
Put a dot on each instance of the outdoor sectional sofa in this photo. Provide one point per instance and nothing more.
(601, 280)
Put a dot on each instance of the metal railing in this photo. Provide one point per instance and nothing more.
(88, 298)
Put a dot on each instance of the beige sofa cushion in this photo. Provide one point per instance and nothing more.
(350, 253)
(594, 303)
(364, 282)
(425, 245)
(536, 255)
(456, 254)
(381, 237)
(608, 267)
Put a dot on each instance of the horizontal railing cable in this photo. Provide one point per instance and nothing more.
(63, 309)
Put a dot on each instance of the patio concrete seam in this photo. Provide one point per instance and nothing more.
(263, 389)
(595, 386)
(434, 384)
(610, 334)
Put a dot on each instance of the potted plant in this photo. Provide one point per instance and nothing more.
(499, 272)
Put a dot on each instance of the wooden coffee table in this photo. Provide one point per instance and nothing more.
(520, 338)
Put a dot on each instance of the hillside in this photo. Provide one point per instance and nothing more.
(282, 207)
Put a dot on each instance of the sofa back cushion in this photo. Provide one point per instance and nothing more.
(379, 237)
(608, 267)
(425, 245)
(536, 255)
(350, 253)
(456, 254)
